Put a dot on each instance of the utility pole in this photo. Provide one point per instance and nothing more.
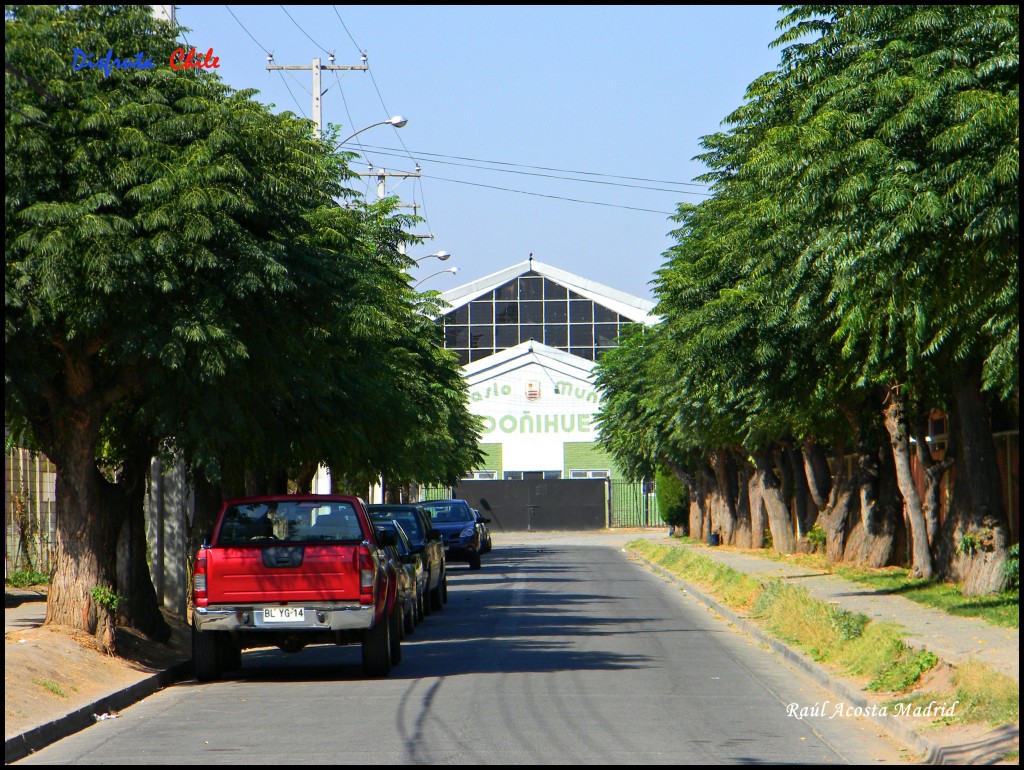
(382, 176)
(317, 68)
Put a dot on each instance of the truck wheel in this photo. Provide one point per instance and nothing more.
(206, 656)
(474, 561)
(428, 605)
(230, 655)
(410, 616)
(444, 588)
(377, 649)
(420, 601)
(396, 636)
(436, 597)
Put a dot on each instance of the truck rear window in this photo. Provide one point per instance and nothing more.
(288, 522)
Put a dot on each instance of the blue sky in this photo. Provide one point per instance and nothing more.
(621, 94)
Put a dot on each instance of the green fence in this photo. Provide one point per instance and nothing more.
(632, 504)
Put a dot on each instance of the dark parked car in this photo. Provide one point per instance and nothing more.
(412, 589)
(485, 531)
(416, 524)
(456, 522)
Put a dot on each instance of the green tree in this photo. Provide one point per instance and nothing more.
(176, 266)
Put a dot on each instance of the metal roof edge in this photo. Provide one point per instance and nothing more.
(634, 308)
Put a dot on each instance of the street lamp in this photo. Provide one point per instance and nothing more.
(397, 121)
(441, 255)
(451, 270)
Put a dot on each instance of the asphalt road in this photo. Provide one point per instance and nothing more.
(553, 653)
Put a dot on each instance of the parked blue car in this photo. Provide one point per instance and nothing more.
(456, 522)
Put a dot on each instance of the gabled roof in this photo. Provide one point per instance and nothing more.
(633, 308)
(510, 359)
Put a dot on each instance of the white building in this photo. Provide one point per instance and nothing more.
(527, 337)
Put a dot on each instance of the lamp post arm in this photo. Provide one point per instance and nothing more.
(397, 121)
(439, 272)
(357, 133)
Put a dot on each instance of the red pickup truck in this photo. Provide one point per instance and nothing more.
(294, 570)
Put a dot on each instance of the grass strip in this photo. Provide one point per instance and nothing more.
(852, 643)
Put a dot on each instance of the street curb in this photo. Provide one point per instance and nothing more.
(20, 746)
(986, 751)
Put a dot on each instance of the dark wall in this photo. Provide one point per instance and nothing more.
(540, 505)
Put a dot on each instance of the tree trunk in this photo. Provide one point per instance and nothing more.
(700, 514)
(934, 472)
(141, 607)
(744, 531)
(802, 502)
(834, 500)
(779, 520)
(896, 424)
(83, 589)
(980, 526)
(304, 478)
(725, 498)
(872, 539)
(757, 512)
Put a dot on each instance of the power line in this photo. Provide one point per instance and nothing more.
(257, 42)
(266, 50)
(548, 168)
(554, 176)
(304, 31)
(361, 51)
(543, 195)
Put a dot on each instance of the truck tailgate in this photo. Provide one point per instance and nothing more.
(241, 574)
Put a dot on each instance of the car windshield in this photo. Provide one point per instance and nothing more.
(407, 520)
(290, 522)
(449, 512)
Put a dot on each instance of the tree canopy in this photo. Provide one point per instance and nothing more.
(857, 261)
(179, 270)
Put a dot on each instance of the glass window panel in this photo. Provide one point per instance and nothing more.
(477, 353)
(481, 312)
(533, 332)
(581, 311)
(581, 335)
(506, 336)
(456, 336)
(481, 337)
(605, 334)
(530, 288)
(531, 312)
(604, 315)
(553, 291)
(557, 336)
(506, 312)
(459, 316)
(574, 295)
(556, 311)
(463, 357)
(587, 353)
(506, 292)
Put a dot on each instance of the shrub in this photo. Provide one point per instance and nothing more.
(1012, 568)
(27, 577)
(673, 499)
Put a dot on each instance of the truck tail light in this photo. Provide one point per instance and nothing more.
(199, 579)
(367, 575)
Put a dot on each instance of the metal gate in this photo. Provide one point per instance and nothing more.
(632, 504)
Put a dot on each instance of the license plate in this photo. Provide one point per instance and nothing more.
(284, 614)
